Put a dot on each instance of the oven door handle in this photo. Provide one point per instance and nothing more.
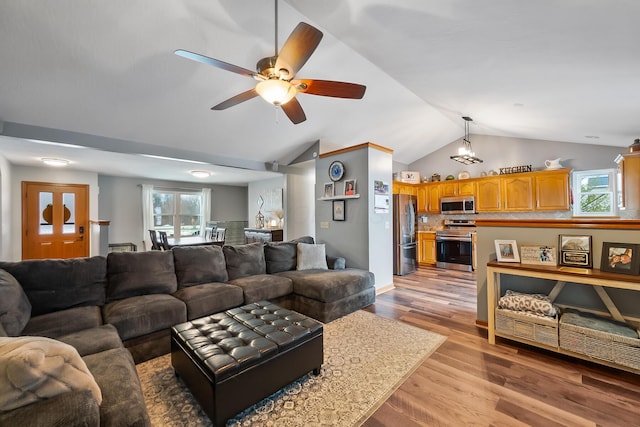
(455, 239)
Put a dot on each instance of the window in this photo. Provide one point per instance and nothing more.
(595, 193)
(177, 213)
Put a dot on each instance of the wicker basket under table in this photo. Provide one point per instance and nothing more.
(530, 326)
(601, 345)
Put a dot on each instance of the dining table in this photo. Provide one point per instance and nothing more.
(192, 241)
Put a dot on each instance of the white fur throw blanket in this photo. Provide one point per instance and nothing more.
(36, 368)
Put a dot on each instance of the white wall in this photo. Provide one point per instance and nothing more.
(5, 210)
(59, 176)
(300, 202)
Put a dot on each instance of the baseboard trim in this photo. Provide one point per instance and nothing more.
(384, 289)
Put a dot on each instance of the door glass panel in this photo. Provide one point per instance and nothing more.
(46, 212)
(69, 213)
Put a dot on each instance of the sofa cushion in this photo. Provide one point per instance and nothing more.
(37, 368)
(280, 256)
(209, 298)
(137, 316)
(122, 398)
(15, 308)
(140, 273)
(93, 340)
(63, 322)
(57, 284)
(311, 257)
(244, 260)
(263, 287)
(329, 285)
(199, 264)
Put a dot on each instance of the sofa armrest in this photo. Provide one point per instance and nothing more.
(74, 408)
(336, 263)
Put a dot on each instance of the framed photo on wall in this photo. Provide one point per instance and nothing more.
(621, 258)
(350, 187)
(575, 251)
(338, 210)
(328, 190)
(507, 251)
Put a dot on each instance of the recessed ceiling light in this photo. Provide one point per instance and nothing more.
(592, 136)
(200, 174)
(54, 161)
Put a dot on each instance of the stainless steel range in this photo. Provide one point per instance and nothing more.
(454, 244)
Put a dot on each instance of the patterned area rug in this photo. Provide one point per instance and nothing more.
(366, 357)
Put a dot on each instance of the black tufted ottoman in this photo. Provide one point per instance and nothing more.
(233, 359)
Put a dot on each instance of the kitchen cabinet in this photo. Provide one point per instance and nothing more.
(428, 198)
(448, 188)
(552, 190)
(464, 187)
(517, 191)
(467, 188)
(404, 188)
(489, 195)
(630, 173)
(427, 248)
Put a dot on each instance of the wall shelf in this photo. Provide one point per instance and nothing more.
(340, 197)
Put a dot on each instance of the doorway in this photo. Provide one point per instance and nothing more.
(55, 220)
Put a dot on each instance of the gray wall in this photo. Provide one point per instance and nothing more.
(364, 239)
(120, 203)
(628, 302)
(500, 151)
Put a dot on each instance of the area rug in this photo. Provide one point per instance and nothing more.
(366, 358)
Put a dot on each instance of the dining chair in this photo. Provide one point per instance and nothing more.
(210, 232)
(220, 234)
(164, 242)
(155, 243)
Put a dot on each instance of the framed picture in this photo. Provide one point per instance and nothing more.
(350, 187)
(328, 190)
(507, 251)
(541, 255)
(620, 258)
(575, 251)
(338, 210)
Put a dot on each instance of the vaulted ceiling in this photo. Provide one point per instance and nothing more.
(102, 74)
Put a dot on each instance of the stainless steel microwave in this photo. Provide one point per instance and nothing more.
(458, 205)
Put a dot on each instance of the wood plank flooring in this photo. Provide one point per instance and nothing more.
(468, 382)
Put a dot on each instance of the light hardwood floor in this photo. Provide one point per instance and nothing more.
(468, 382)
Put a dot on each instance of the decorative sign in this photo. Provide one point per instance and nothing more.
(543, 255)
(516, 169)
(575, 251)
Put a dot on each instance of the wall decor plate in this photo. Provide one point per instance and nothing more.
(336, 170)
(463, 175)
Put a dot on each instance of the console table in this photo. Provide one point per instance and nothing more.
(599, 280)
(263, 235)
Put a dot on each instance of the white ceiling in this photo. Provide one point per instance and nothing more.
(104, 72)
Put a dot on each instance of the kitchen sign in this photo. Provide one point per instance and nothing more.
(516, 169)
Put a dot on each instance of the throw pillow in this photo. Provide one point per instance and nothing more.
(311, 256)
(37, 368)
(15, 308)
(280, 256)
(199, 264)
(244, 260)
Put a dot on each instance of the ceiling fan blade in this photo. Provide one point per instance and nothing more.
(298, 48)
(214, 62)
(235, 100)
(330, 88)
(294, 111)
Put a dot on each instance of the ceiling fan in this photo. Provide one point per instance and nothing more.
(275, 74)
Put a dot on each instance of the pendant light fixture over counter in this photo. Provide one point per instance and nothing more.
(465, 154)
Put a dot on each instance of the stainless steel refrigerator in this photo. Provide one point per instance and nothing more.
(404, 234)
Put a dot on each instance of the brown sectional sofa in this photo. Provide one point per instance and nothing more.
(102, 305)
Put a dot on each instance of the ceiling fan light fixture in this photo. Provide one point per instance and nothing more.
(276, 91)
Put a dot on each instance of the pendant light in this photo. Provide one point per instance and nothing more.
(466, 155)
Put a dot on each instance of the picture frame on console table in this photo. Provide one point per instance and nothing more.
(539, 255)
(575, 251)
(623, 258)
(507, 251)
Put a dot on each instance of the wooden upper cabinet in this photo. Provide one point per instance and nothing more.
(489, 196)
(448, 188)
(552, 191)
(403, 188)
(517, 193)
(466, 188)
(630, 170)
(429, 198)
